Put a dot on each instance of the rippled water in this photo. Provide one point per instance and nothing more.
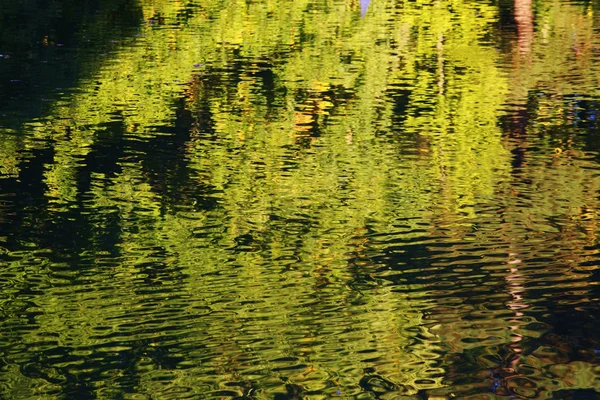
(301, 199)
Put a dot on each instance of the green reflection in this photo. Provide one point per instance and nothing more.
(262, 198)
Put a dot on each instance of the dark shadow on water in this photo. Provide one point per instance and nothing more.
(47, 46)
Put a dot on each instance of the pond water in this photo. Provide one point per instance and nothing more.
(307, 199)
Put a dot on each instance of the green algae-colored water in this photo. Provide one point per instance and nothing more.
(307, 199)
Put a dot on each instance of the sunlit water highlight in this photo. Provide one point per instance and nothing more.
(299, 200)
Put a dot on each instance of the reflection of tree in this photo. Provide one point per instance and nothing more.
(543, 208)
(524, 18)
(246, 190)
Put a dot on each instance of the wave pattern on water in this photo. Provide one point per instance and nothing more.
(300, 200)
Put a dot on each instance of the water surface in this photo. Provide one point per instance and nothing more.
(299, 199)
